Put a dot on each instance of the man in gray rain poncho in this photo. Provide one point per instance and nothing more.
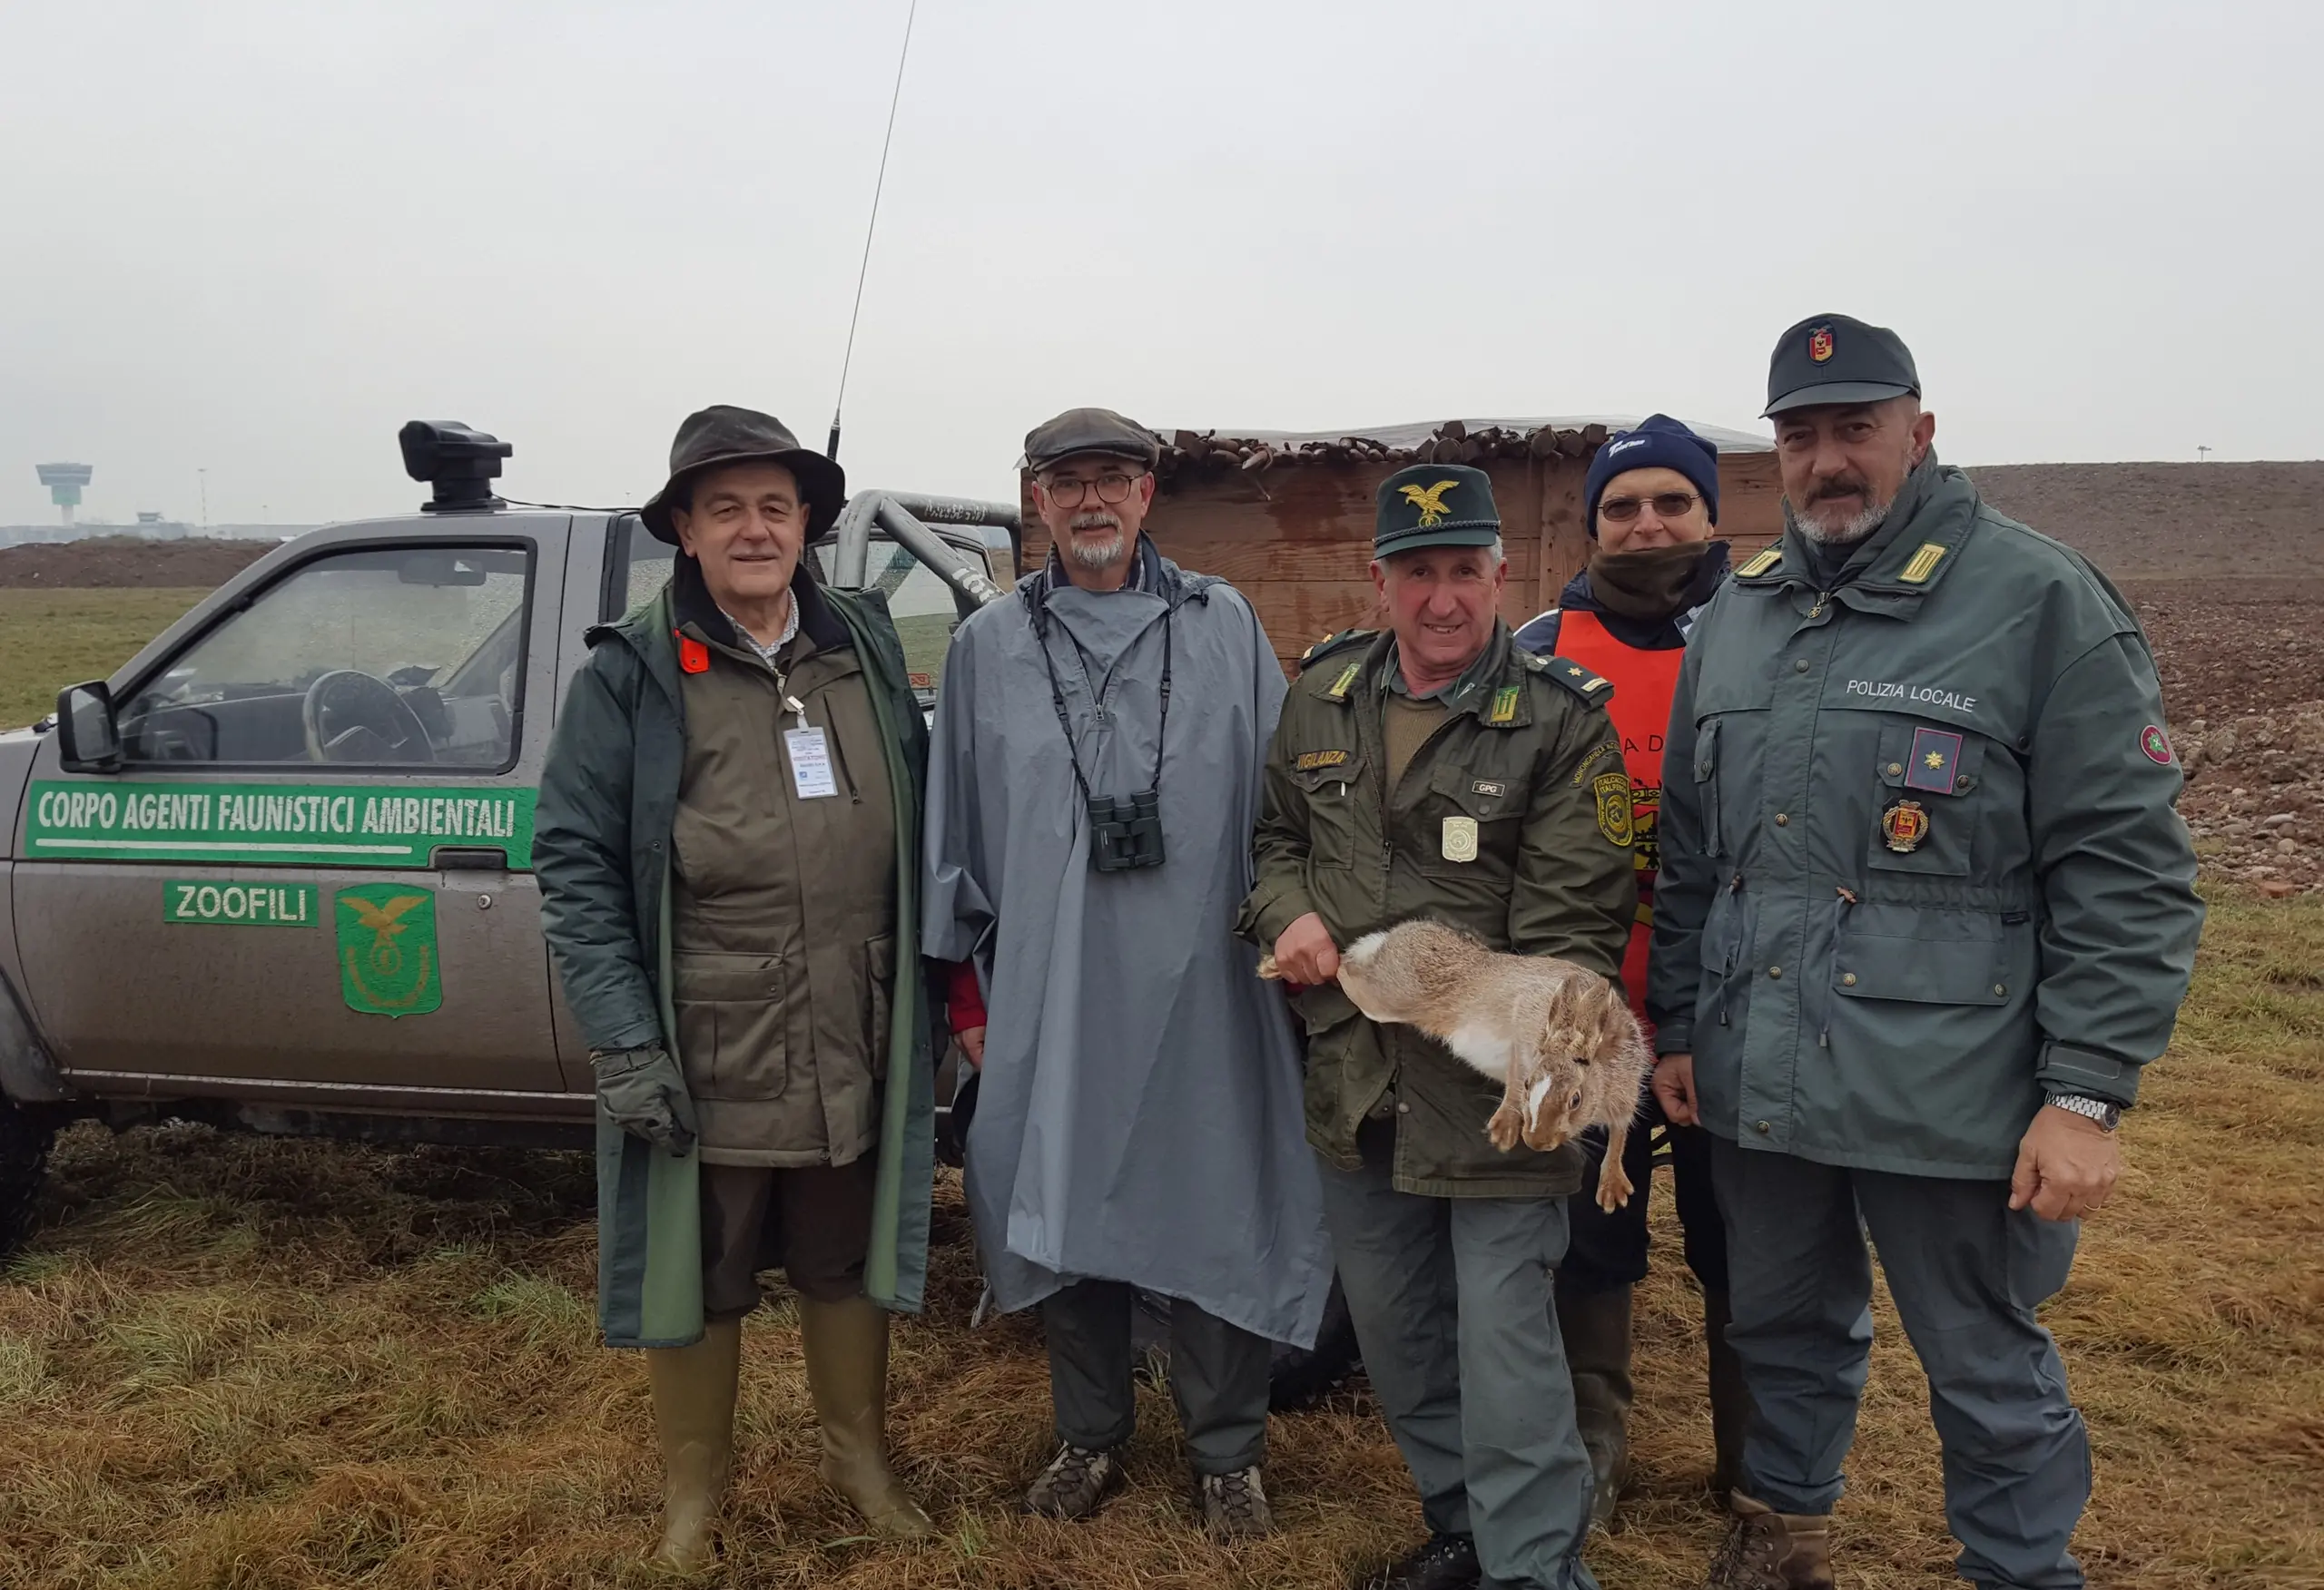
(1094, 778)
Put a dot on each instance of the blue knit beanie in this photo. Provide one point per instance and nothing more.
(1660, 442)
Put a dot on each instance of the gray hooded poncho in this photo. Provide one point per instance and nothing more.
(1138, 1116)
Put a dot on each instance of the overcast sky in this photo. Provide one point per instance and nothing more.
(256, 237)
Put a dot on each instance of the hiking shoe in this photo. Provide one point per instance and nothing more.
(1234, 1506)
(1076, 1484)
(1768, 1550)
(1441, 1562)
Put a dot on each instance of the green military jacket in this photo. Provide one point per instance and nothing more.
(602, 840)
(1524, 775)
(1920, 855)
(782, 907)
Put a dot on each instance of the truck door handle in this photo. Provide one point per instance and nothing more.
(467, 858)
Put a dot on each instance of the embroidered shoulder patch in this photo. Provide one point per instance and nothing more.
(1612, 748)
(1766, 559)
(2156, 744)
(1613, 794)
(1924, 564)
(1308, 762)
(1504, 705)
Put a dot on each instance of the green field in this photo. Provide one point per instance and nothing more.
(50, 639)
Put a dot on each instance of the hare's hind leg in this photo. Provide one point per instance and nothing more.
(1614, 1185)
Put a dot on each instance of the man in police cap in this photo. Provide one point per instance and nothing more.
(1436, 769)
(1093, 780)
(1926, 910)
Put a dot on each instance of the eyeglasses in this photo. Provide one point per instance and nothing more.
(1667, 504)
(1113, 486)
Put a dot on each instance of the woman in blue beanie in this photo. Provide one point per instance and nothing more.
(1652, 504)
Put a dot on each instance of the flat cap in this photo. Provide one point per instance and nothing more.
(1834, 359)
(1090, 430)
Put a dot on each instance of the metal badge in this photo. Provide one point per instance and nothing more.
(1906, 825)
(1460, 838)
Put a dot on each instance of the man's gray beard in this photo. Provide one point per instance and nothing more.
(1849, 533)
(1097, 556)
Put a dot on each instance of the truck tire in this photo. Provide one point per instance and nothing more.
(23, 1155)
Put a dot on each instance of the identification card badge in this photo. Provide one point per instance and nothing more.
(811, 763)
(1460, 838)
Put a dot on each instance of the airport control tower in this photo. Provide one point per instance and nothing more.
(64, 481)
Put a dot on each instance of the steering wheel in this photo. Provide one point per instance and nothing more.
(353, 717)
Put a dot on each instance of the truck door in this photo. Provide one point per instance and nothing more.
(311, 879)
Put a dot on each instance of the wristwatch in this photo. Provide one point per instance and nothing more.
(2107, 1114)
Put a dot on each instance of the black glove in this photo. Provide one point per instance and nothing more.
(644, 1093)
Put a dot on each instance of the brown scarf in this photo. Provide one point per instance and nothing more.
(1649, 585)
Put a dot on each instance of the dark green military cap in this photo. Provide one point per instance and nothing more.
(1435, 505)
(1834, 359)
(1090, 430)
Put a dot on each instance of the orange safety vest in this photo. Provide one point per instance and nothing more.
(1644, 681)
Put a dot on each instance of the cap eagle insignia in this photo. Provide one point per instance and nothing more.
(1430, 501)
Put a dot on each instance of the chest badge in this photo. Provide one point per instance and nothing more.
(1460, 838)
(1905, 826)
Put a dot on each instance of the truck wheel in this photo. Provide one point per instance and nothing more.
(24, 1154)
(1301, 1378)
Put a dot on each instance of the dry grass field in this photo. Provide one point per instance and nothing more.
(234, 1362)
(55, 637)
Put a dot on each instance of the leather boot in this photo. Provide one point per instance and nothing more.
(693, 1419)
(846, 1347)
(1596, 1326)
(1768, 1550)
(1731, 1399)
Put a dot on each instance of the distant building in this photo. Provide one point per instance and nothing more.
(64, 481)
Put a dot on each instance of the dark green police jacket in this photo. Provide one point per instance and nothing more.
(1524, 778)
(1920, 855)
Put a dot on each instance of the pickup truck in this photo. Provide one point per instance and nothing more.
(275, 873)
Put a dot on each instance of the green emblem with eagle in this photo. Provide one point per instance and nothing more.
(387, 949)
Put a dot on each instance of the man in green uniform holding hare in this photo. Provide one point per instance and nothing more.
(1436, 769)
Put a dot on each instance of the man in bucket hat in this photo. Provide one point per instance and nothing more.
(727, 842)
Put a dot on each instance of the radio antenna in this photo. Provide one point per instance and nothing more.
(831, 447)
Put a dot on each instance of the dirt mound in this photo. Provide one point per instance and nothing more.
(2243, 667)
(2184, 519)
(125, 560)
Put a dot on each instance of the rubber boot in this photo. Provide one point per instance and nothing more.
(693, 1419)
(1730, 1399)
(1596, 1326)
(846, 1347)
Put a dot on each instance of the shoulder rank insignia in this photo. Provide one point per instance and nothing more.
(1922, 564)
(1767, 558)
(1330, 643)
(1571, 674)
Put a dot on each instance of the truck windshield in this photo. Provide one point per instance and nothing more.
(374, 656)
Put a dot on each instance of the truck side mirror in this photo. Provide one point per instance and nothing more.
(85, 732)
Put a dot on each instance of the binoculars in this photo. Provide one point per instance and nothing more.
(1126, 831)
